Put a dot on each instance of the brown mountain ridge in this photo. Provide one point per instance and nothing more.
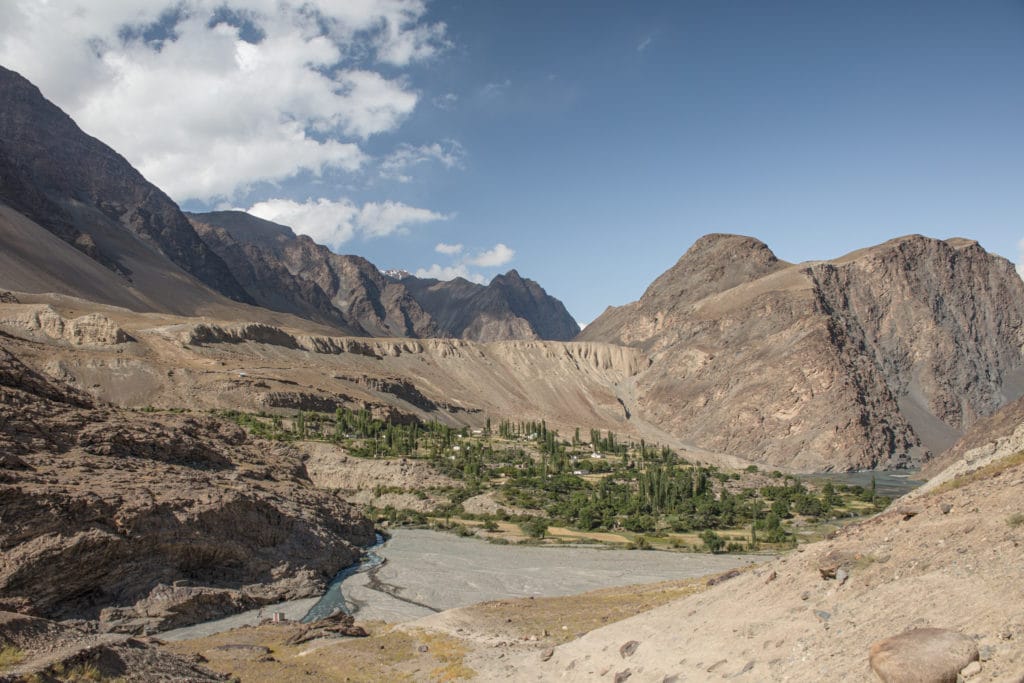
(874, 359)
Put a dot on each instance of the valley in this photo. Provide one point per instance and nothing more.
(208, 420)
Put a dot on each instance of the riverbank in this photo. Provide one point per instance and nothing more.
(423, 572)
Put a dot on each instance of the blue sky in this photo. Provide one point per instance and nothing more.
(586, 144)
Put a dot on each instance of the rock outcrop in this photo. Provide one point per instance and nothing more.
(925, 655)
(43, 650)
(154, 520)
(86, 330)
(1001, 433)
(876, 359)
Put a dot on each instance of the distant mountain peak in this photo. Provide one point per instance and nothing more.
(294, 274)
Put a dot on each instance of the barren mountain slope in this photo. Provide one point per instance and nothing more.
(88, 195)
(292, 273)
(152, 521)
(174, 362)
(510, 307)
(866, 361)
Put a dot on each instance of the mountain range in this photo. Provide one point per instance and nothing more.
(286, 272)
(878, 359)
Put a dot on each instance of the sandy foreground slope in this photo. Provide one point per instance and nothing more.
(958, 563)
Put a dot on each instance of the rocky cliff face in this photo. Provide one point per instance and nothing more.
(153, 520)
(293, 273)
(510, 307)
(84, 192)
(875, 359)
(286, 272)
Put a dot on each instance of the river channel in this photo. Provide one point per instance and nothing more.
(418, 572)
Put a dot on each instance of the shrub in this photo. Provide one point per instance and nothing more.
(535, 527)
(712, 541)
(10, 655)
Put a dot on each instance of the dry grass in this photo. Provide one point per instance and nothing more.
(409, 653)
(987, 472)
(553, 621)
(389, 654)
(10, 656)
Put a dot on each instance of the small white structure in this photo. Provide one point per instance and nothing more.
(597, 456)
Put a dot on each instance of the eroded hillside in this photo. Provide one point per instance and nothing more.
(873, 360)
(145, 522)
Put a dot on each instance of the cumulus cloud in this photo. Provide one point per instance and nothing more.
(397, 166)
(335, 222)
(450, 249)
(499, 255)
(208, 98)
(439, 272)
(379, 220)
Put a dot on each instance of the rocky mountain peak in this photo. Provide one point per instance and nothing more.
(715, 263)
(511, 276)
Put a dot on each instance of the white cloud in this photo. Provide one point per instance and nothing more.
(335, 222)
(378, 220)
(327, 222)
(499, 255)
(496, 256)
(408, 42)
(446, 102)
(494, 90)
(450, 249)
(644, 44)
(396, 166)
(439, 272)
(205, 113)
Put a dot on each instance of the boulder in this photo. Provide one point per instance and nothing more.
(923, 655)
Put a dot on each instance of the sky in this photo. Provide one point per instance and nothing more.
(586, 144)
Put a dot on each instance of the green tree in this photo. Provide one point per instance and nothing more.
(535, 527)
(712, 541)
